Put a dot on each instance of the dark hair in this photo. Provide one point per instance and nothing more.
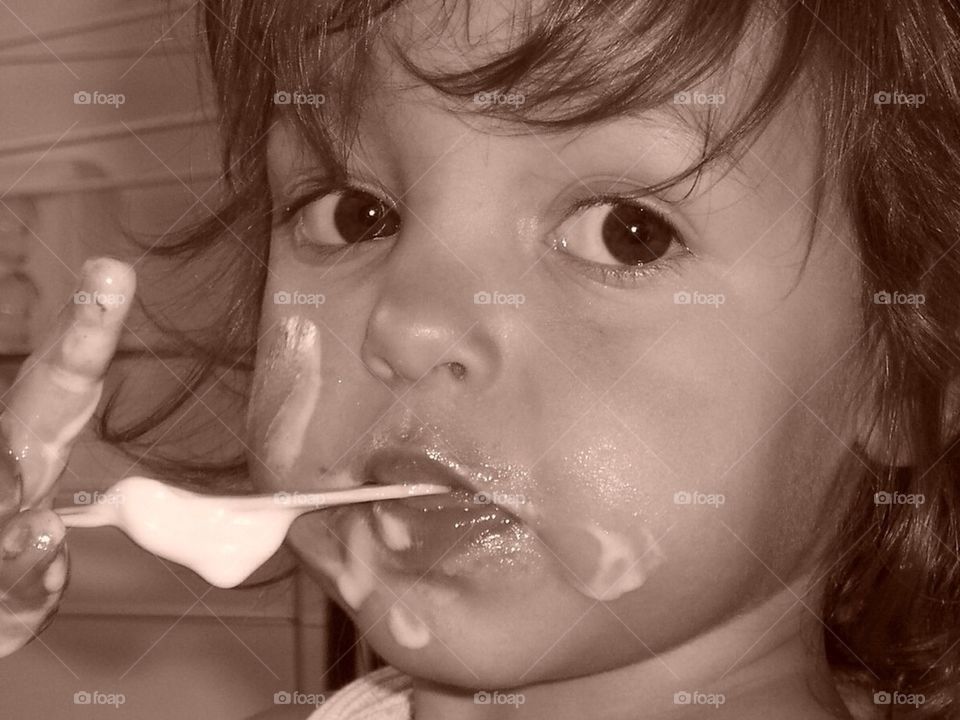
(892, 603)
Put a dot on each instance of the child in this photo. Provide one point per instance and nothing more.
(664, 290)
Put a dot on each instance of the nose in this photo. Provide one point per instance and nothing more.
(424, 327)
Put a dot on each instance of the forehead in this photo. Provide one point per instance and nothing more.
(370, 90)
(435, 37)
(562, 58)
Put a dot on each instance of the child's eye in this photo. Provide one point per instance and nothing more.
(619, 240)
(342, 217)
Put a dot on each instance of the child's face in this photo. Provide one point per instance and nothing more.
(668, 457)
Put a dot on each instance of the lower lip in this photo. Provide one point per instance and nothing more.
(447, 534)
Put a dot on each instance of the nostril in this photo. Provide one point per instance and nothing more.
(458, 370)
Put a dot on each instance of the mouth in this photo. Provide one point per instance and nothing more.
(408, 466)
(453, 533)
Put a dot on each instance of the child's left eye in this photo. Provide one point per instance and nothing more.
(619, 239)
(342, 217)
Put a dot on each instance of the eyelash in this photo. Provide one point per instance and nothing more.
(616, 275)
(299, 199)
(291, 207)
(611, 275)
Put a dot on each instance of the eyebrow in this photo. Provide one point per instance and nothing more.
(655, 119)
(659, 120)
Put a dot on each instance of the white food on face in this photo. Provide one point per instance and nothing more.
(355, 582)
(407, 629)
(300, 349)
(393, 530)
(621, 568)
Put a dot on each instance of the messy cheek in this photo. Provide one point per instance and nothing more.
(283, 402)
(582, 520)
(601, 563)
(284, 399)
(285, 396)
(598, 522)
(356, 578)
(343, 549)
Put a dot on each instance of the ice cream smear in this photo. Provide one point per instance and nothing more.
(355, 580)
(603, 564)
(393, 530)
(407, 629)
(297, 350)
(221, 538)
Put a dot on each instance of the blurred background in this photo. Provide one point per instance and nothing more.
(105, 131)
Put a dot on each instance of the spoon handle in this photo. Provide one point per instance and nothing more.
(366, 493)
(85, 516)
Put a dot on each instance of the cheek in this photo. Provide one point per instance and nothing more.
(695, 461)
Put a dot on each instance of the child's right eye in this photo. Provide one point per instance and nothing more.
(341, 217)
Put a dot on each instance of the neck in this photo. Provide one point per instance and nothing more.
(767, 661)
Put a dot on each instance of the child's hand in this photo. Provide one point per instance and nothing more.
(55, 394)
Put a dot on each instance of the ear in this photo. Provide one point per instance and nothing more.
(880, 439)
(880, 426)
(878, 420)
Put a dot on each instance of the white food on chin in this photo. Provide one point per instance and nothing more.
(394, 531)
(621, 568)
(356, 580)
(407, 629)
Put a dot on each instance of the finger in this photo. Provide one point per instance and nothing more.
(32, 561)
(58, 388)
(33, 574)
(28, 608)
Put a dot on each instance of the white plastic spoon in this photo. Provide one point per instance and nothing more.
(221, 538)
